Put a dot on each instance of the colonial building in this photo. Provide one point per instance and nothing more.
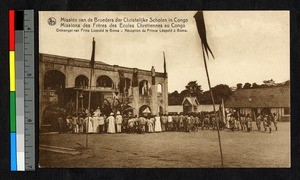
(64, 82)
(261, 100)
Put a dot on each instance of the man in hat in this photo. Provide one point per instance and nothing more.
(119, 120)
(111, 123)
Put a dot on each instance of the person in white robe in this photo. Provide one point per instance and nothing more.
(119, 120)
(157, 127)
(90, 122)
(111, 123)
(96, 124)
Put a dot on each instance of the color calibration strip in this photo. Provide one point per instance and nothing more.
(12, 73)
(21, 63)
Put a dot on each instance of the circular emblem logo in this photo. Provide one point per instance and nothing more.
(51, 21)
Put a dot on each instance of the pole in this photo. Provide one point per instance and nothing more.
(213, 101)
(89, 109)
(77, 102)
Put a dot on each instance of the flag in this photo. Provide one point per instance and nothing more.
(122, 81)
(165, 66)
(92, 63)
(135, 82)
(206, 51)
(202, 32)
(223, 111)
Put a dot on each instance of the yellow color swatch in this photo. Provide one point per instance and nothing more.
(12, 70)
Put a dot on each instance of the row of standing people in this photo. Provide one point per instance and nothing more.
(245, 122)
(131, 124)
(99, 123)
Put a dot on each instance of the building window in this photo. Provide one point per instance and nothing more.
(144, 88)
(104, 81)
(159, 90)
(127, 86)
(81, 81)
(54, 79)
(286, 111)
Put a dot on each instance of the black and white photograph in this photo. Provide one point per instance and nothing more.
(164, 89)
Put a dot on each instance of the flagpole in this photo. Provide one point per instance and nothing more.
(213, 101)
(90, 89)
(223, 112)
(89, 109)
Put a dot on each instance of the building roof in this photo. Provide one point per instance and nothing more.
(49, 58)
(260, 97)
(207, 107)
(191, 100)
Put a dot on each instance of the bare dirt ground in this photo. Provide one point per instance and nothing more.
(172, 149)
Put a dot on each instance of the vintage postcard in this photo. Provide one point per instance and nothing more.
(164, 89)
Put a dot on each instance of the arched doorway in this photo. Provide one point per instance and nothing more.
(81, 81)
(54, 87)
(145, 110)
(104, 81)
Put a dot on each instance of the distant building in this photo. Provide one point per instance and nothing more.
(233, 88)
(191, 105)
(261, 100)
(270, 82)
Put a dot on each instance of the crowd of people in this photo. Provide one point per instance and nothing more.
(117, 123)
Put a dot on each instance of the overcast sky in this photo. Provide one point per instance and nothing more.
(249, 46)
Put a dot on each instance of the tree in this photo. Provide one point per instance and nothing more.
(175, 98)
(287, 83)
(221, 91)
(239, 86)
(193, 89)
(247, 86)
(254, 85)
